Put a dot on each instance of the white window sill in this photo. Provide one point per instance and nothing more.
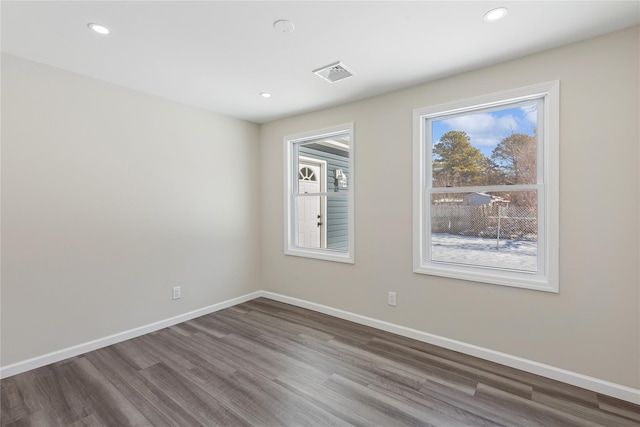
(492, 276)
(321, 254)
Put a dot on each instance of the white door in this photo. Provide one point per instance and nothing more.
(309, 218)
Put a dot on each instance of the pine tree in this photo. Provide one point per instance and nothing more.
(457, 163)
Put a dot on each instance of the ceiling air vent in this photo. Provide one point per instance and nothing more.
(334, 72)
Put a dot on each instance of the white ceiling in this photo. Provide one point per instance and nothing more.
(220, 55)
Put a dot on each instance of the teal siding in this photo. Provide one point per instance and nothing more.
(337, 207)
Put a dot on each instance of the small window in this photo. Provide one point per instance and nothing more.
(486, 188)
(319, 189)
(307, 174)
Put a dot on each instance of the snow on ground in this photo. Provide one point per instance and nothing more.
(510, 254)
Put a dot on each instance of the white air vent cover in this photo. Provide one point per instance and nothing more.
(334, 72)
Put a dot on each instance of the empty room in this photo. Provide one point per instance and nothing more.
(287, 213)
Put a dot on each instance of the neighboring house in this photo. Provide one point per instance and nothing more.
(479, 199)
(336, 211)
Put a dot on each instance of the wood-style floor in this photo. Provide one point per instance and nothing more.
(264, 363)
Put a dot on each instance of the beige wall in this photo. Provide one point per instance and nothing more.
(109, 199)
(593, 325)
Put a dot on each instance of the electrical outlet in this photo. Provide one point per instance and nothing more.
(177, 294)
(392, 298)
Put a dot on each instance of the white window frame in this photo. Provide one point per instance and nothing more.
(546, 278)
(291, 174)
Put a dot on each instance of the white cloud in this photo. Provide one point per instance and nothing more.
(484, 129)
(531, 113)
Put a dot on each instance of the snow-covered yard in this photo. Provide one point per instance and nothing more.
(510, 254)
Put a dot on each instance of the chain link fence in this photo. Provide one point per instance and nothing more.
(491, 221)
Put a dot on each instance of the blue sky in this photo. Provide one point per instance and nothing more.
(487, 129)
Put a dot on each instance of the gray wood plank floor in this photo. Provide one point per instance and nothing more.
(265, 363)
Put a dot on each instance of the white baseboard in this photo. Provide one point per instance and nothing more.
(599, 386)
(76, 350)
(579, 380)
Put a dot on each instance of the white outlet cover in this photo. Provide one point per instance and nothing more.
(392, 298)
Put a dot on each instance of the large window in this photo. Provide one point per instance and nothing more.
(486, 188)
(319, 188)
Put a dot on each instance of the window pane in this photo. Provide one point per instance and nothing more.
(323, 164)
(498, 229)
(494, 147)
(319, 184)
(323, 222)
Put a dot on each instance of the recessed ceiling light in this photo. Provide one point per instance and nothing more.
(100, 29)
(265, 94)
(283, 26)
(495, 14)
